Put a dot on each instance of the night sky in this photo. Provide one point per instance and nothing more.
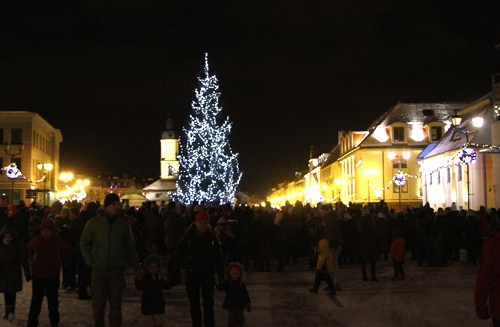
(291, 73)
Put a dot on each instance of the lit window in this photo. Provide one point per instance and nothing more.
(398, 165)
(399, 134)
(436, 133)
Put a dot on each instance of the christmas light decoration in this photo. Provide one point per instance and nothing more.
(399, 179)
(468, 156)
(208, 169)
(12, 171)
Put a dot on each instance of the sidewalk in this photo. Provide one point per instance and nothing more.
(430, 296)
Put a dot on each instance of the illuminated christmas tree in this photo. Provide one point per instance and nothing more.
(208, 169)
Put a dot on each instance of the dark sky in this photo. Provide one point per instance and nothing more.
(291, 73)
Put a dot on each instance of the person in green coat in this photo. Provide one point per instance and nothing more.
(107, 245)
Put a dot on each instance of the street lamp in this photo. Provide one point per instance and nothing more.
(66, 176)
(46, 167)
(369, 172)
(340, 184)
(399, 179)
(20, 148)
(477, 122)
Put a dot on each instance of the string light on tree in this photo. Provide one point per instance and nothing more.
(209, 170)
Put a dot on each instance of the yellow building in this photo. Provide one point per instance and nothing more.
(364, 166)
(32, 144)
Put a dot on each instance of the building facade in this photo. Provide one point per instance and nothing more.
(453, 175)
(169, 164)
(379, 163)
(34, 147)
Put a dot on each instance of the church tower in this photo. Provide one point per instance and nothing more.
(169, 152)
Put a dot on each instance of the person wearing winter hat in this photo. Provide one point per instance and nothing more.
(12, 259)
(201, 253)
(107, 245)
(152, 286)
(46, 250)
(237, 298)
(84, 271)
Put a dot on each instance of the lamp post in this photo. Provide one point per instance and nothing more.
(477, 122)
(20, 148)
(369, 172)
(340, 184)
(399, 180)
(45, 167)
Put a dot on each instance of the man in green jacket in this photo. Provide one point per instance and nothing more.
(107, 245)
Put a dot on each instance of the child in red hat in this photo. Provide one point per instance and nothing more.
(237, 298)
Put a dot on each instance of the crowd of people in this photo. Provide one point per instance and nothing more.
(96, 242)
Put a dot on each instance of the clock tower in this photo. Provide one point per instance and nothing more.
(169, 152)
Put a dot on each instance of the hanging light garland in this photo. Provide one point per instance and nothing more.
(466, 154)
(12, 172)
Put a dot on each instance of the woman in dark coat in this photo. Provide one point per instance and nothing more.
(367, 246)
(12, 258)
(383, 234)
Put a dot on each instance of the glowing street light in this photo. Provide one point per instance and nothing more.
(66, 176)
(477, 122)
(45, 167)
(340, 184)
(369, 172)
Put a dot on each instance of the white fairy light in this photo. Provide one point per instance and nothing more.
(209, 170)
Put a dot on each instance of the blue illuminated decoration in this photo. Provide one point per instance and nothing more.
(468, 156)
(399, 179)
(12, 172)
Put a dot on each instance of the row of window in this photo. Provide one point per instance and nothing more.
(16, 137)
(400, 135)
(448, 175)
(41, 143)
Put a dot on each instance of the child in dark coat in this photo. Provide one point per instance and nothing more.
(152, 285)
(237, 298)
(12, 258)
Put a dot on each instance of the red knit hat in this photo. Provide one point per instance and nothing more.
(49, 224)
(202, 216)
(233, 269)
